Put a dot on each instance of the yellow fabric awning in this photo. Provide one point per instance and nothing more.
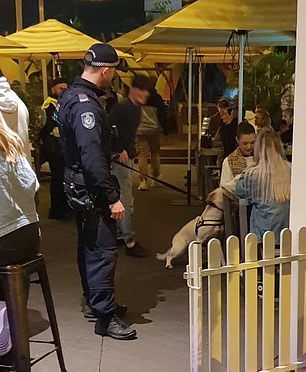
(51, 37)
(6, 43)
(208, 24)
(164, 52)
(277, 15)
(124, 42)
(10, 69)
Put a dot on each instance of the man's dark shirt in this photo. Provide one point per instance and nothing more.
(126, 116)
(228, 136)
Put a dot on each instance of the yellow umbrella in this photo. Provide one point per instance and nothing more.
(277, 15)
(51, 37)
(135, 41)
(207, 25)
(10, 69)
(6, 43)
(124, 42)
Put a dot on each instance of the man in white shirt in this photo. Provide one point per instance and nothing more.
(240, 159)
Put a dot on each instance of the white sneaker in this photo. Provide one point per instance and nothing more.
(5, 336)
(143, 186)
(154, 183)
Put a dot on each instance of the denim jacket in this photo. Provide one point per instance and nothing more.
(18, 184)
(271, 216)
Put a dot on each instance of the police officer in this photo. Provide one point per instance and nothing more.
(90, 187)
(51, 151)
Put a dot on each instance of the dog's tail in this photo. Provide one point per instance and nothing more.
(161, 256)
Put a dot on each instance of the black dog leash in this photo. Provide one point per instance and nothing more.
(169, 185)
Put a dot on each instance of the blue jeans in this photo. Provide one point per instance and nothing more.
(97, 262)
(124, 176)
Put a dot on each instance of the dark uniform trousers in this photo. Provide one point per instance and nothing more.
(97, 262)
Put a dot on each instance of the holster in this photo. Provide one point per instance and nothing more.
(78, 197)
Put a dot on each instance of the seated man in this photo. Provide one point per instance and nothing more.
(216, 121)
(240, 159)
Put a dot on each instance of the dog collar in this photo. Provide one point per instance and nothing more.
(212, 204)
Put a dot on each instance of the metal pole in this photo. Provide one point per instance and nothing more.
(19, 26)
(200, 105)
(41, 10)
(43, 61)
(188, 177)
(242, 38)
(18, 10)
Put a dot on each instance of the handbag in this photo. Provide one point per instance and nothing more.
(206, 141)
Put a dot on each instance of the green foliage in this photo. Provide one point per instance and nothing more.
(76, 23)
(35, 121)
(159, 8)
(162, 6)
(267, 80)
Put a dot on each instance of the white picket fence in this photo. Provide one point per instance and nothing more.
(239, 324)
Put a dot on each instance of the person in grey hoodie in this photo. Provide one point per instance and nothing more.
(153, 122)
(15, 114)
(19, 230)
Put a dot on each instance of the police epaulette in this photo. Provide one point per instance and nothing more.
(83, 97)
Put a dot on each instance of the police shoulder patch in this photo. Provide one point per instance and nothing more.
(88, 120)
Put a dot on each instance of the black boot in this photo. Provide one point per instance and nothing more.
(115, 329)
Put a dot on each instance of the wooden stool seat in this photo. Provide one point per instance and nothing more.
(14, 279)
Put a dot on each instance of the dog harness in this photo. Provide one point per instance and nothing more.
(201, 222)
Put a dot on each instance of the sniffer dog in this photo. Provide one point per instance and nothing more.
(202, 228)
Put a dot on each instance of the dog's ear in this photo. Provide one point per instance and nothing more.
(216, 196)
(211, 196)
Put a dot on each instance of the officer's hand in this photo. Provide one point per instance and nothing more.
(123, 156)
(117, 210)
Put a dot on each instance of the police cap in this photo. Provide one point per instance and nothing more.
(101, 55)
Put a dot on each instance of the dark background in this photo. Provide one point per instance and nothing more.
(95, 16)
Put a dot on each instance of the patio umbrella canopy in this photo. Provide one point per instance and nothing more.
(207, 24)
(168, 51)
(235, 15)
(51, 37)
(6, 43)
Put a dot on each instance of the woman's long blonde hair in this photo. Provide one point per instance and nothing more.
(10, 143)
(271, 171)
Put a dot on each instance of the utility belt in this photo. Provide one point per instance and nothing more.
(78, 197)
(80, 200)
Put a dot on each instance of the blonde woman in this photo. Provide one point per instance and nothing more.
(19, 231)
(266, 186)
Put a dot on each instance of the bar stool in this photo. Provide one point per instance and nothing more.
(14, 279)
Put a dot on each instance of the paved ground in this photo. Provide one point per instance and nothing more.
(157, 299)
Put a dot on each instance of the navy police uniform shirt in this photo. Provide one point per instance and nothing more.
(86, 139)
